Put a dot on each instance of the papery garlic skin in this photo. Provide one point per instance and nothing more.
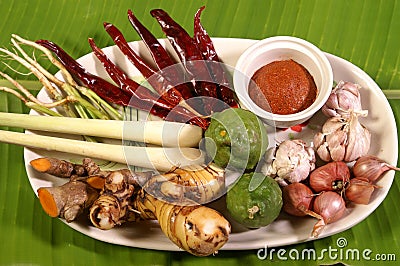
(291, 161)
(344, 99)
(342, 139)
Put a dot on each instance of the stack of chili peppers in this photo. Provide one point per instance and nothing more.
(189, 91)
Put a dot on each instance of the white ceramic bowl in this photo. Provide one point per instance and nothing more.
(283, 48)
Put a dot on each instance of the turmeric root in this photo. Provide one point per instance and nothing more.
(67, 201)
(95, 181)
(63, 168)
(197, 229)
(57, 167)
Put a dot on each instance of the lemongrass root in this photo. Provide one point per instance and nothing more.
(50, 56)
(103, 111)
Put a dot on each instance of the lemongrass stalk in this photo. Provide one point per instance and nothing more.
(42, 109)
(114, 114)
(162, 159)
(162, 133)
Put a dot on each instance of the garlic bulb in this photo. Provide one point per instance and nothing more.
(342, 139)
(344, 99)
(289, 162)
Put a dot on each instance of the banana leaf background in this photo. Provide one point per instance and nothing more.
(366, 33)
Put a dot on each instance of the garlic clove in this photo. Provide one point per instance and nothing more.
(337, 145)
(319, 139)
(333, 124)
(359, 140)
(353, 88)
(323, 152)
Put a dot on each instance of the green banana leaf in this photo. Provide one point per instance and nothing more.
(366, 33)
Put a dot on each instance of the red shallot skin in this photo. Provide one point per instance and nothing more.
(359, 190)
(330, 177)
(297, 199)
(371, 167)
(330, 206)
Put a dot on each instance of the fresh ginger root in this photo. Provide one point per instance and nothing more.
(112, 208)
(197, 229)
(67, 201)
(201, 184)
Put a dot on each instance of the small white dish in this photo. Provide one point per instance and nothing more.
(276, 49)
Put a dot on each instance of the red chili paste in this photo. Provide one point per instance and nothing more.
(283, 87)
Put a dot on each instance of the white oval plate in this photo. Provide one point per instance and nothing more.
(285, 230)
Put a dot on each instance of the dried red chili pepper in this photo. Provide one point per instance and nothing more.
(188, 53)
(177, 113)
(125, 83)
(165, 63)
(159, 54)
(206, 46)
(103, 88)
(156, 80)
(114, 94)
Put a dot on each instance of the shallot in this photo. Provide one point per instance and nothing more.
(297, 199)
(359, 190)
(371, 167)
(330, 207)
(332, 176)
